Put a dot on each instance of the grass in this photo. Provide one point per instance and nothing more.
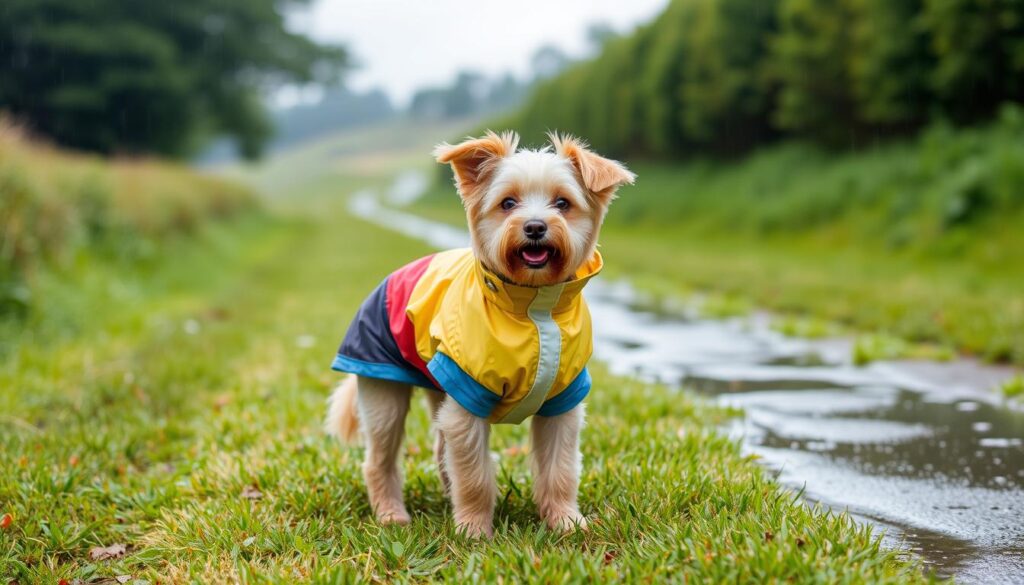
(1013, 388)
(176, 411)
(921, 241)
(56, 206)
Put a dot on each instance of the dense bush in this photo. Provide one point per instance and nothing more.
(724, 76)
(948, 192)
(54, 204)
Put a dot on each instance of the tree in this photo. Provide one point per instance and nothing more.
(608, 99)
(979, 47)
(663, 58)
(811, 60)
(338, 109)
(724, 76)
(599, 34)
(727, 93)
(152, 77)
(548, 61)
(504, 93)
(467, 94)
(890, 64)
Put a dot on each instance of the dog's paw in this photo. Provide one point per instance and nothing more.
(475, 528)
(393, 516)
(568, 522)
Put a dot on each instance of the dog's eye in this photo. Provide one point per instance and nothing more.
(508, 203)
(562, 203)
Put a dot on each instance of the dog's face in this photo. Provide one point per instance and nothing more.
(534, 215)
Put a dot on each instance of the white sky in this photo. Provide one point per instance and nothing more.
(404, 45)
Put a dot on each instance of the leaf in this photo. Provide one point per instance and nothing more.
(398, 548)
(103, 553)
(6, 521)
(252, 492)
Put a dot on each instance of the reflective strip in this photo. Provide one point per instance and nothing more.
(550, 341)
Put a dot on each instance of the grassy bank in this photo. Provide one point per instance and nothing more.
(922, 240)
(60, 210)
(185, 425)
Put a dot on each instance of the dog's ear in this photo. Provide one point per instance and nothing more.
(475, 159)
(601, 176)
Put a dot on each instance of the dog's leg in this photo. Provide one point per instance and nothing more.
(555, 459)
(435, 399)
(468, 463)
(342, 413)
(383, 405)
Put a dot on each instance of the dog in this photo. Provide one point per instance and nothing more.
(495, 333)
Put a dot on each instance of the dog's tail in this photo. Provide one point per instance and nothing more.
(342, 415)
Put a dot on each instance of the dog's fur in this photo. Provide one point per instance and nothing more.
(488, 171)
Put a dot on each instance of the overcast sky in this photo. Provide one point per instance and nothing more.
(404, 45)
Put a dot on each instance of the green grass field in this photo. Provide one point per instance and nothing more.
(175, 409)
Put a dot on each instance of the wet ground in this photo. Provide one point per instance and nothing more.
(923, 449)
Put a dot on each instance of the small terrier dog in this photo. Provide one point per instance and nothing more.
(495, 333)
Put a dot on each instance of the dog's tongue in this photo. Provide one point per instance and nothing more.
(535, 255)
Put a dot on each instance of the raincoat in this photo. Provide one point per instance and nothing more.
(502, 351)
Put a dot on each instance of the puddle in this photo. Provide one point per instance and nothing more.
(922, 449)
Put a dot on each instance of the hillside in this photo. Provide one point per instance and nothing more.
(64, 212)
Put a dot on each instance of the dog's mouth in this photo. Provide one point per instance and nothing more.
(537, 255)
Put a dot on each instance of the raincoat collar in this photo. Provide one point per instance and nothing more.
(517, 299)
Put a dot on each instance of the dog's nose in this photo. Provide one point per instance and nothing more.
(535, 229)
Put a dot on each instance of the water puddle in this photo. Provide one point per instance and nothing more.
(923, 449)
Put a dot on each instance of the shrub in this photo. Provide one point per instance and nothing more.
(55, 203)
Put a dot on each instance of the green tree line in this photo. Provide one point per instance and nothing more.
(133, 76)
(723, 76)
